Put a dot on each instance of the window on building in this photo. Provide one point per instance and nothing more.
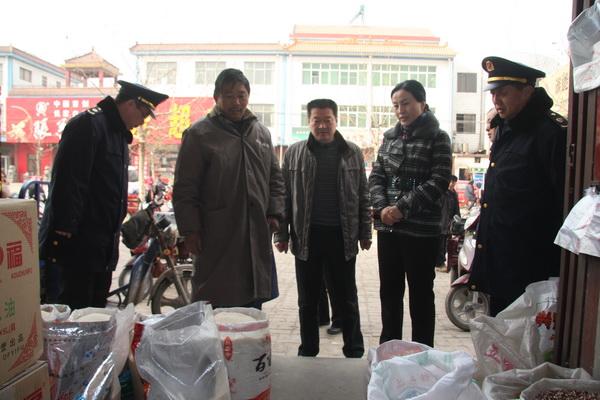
(259, 73)
(352, 116)
(466, 82)
(465, 123)
(207, 71)
(58, 85)
(390, 75)
(383, 117)
(25, 74)
(44, 81)
(334, 74)
(161, 73)
(264, 112)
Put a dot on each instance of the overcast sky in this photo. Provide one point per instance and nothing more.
(60, 29)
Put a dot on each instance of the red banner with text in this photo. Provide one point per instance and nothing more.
(42, 119)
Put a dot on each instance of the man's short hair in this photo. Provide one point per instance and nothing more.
(453, 178)
(228, 77)
(322, 103)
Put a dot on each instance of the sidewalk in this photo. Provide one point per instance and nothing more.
(283, 311)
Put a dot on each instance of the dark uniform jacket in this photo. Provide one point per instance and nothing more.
(88, 191)
(521, 208)
(413, 174)
(299, 174)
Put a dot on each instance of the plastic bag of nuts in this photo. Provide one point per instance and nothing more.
(558, 389)
(567, 394)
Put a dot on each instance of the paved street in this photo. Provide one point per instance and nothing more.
(283, 311)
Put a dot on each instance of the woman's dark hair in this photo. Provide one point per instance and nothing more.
(230, 76)
(413, 87)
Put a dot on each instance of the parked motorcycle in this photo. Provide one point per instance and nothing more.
(158, 253)
(462, 303)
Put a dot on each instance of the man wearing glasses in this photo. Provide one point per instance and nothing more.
(79, 233)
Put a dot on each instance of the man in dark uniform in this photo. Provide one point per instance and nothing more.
(522, 206)
(79, 233)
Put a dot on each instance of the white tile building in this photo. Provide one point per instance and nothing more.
(357, 66)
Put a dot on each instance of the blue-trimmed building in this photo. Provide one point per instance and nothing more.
(356, 66)
(19, 69)
(37, 98)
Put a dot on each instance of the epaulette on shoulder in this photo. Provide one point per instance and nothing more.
(94, 110)
(558, 119)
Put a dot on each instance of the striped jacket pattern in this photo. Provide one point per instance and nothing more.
(413, 174)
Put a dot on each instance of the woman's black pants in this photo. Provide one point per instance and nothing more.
(412, 258)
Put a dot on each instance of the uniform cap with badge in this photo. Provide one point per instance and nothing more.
(504, 72)
(147, 97)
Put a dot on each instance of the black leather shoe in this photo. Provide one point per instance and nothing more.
(334, 330)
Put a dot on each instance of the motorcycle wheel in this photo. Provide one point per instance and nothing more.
(463, 304)
(166, 298)
(125, 279)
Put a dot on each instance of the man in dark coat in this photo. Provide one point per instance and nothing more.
(326, 219)
(450, 208)
(522, 206)
(79, 233)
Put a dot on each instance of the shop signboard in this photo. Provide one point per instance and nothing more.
(43, 119)
(300, 133)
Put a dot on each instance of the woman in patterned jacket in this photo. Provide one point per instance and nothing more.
(410, 175)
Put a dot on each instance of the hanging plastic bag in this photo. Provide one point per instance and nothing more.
(584, 48)
(181, 356)
(247, 350)
(580, 232)
(510, 384)
(430, 374)
(522, 335)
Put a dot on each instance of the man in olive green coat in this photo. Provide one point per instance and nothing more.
(228, 198)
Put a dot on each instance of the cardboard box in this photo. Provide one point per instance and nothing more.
(21, 342)
(32, 384)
